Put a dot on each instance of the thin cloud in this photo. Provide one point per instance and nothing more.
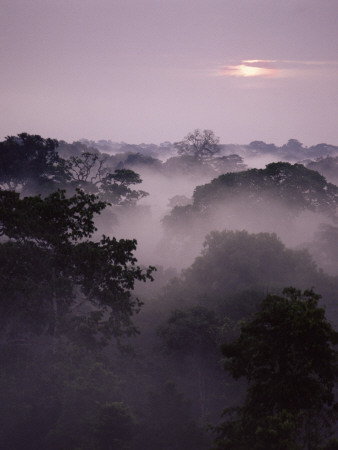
(245, 70)
(269, 68)
(252, 68)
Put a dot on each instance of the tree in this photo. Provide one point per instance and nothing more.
(192, 336)
(86, 168)
(322, 150)
(239, 267)
(269, 198)
(230, 163)
(169, 422)
(190, 330)
(63, 297)
(179, 200)
(293, 145)
(115, 187)
(299, 188)
(30, 162)
(54, 280)
(140, 160)
(327, 166)
(54, 220)
(202, 145)
(287, 354)
(90, 173)
(263, 147)
(115, 427)
(324, 248)
(66, 399)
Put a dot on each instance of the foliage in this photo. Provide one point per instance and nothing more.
(178, 200)
(65, 294)
(116, 187)
(196, 168)
(30, 162)
(238, 265)
(327, 166)
(115, 426)
(54, 280)
(324, 247)
(54, 220)
(81, 168)
(170, 424)
(89, 172)
(229, 163)
(287, 354)
(202, 145)
(263, 147)
(140, 160)
(293, 150)
(269, 199)
(293, 145)
(190, 338)
(188, 167)
(61, 399)
(190, 330)
(294, 185)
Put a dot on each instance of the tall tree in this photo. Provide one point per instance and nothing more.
(116, 189)
(202, 145)
(299, 188)
(191, 336)
(287, 354)
(271, 198)
(31, 162)
(55, 280)
(90, 173)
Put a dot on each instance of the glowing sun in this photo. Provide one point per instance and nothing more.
(249, 69)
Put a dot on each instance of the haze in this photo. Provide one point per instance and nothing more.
(167, 169)
(148, 71)
(90, 362)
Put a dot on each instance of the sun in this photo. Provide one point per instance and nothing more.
(249, 69)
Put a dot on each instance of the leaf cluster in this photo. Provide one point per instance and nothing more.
(300, 188)
(57, 281)
(202, 145)
(27, 159)
(287, 352)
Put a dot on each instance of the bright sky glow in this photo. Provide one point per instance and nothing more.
(154, 70)
(248, 69)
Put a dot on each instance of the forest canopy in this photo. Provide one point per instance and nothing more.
(94, 358)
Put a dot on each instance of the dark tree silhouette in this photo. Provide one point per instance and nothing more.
(202, 145)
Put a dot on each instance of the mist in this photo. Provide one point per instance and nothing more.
(122, 338)
(162, 246)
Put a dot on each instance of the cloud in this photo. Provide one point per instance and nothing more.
(263, 68)
(250, 68)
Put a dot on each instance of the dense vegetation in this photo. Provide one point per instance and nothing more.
(94, 358)
(286, 352)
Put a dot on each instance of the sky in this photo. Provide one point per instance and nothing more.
(149, 71)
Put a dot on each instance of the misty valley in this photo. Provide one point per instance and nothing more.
(168, 297)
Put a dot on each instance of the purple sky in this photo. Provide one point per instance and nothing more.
(153, 70)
